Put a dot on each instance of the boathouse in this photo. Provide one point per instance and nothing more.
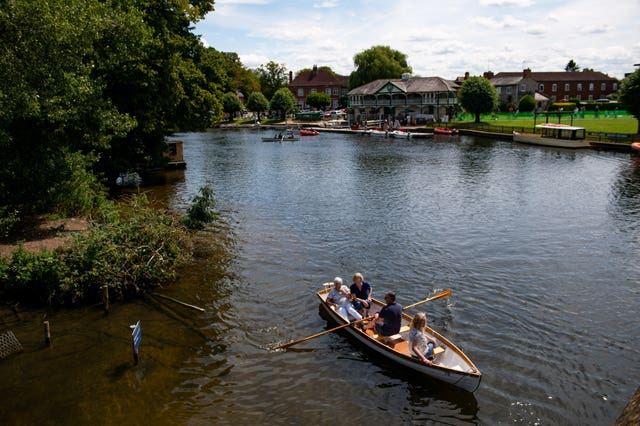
(412, 100)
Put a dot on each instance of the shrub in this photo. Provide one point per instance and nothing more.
(527, 103)
(200, 212)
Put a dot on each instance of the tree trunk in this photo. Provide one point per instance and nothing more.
(477, 117)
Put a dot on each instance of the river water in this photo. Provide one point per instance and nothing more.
(539, 246)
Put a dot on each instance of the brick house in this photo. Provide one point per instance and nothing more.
(318, 80)
(555, 85)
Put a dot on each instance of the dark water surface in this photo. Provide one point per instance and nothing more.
(539, 246)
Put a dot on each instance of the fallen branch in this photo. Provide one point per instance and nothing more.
(178, 301)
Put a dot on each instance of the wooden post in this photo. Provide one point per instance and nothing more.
(47, 333)
(105, 298)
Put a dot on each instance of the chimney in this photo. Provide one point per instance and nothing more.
(315, 71)
(526, 73)
(290, 77)
(466, 75)
(488, 75)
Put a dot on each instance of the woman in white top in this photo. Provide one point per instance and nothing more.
(420, 344)
(338, 297)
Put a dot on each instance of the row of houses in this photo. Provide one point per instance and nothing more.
(425, 98)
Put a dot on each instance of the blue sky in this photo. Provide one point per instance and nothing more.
(442, 38)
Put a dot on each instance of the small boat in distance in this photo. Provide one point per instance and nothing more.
(400, 134)
(287, 136)
(445, 131)
(555, 135)
(450, 364)
(308, 132)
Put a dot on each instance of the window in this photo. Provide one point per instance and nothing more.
(554, 87)
(499, 90)
(590, 97)
(328, 91)
(566, 87)
(615, 86)
(301, 93)
(554, 98)
(579, 88)
(541, 88)
(523, 87)
(509, 90)
(314, 90)
(579, 97)
(566, 98)
(336, 91)
(591, 87)
(603, 86)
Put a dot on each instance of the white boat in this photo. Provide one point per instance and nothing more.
(556, 135)
(400, 134)
(450, 364)
(378, 133)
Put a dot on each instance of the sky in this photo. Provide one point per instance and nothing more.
(444, 38)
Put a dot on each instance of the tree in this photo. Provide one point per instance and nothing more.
(572, 66)
(272, 77)
(629, 95)
(231, 104)
(478, 96)
(378, 62)
(283, 102)
(257, 102)
(318, 100)
(527, 103)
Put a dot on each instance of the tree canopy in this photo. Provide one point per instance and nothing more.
(257, 103)
(478, 96)
(272, 77)
(231, 104)
(88, 86)
(629, 94)
(318, 100)
(571, 66)
(378, 62)
(283, 101)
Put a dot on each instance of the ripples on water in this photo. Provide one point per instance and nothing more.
(539, 246)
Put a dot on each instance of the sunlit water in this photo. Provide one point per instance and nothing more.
(539, 247)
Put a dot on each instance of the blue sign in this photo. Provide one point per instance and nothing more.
(136, 337)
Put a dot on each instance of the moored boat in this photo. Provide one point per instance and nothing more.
(400, 134)
(309, 132)
(449, 365)
(445, 131)
(555, 135)
(635, 146)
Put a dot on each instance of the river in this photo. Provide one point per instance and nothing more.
(539, 246)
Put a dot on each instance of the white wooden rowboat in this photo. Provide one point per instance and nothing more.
(450, 364)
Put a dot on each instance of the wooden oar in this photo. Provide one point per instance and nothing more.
(313, 336)
(445, 293)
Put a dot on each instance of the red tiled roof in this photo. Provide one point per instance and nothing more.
(321, 78)
(556, 76)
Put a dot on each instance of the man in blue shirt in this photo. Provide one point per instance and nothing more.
(388, 321)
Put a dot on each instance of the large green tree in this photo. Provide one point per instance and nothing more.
(478, 96)
(93, 85)
(283, 101)
(257, 103)
(629, 95)
(378, 62)
(272, 77)
(231, 104)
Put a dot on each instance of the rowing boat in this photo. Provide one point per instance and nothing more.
(445, 131)
(450, 364)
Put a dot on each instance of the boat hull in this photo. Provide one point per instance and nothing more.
(452, 367)
(537, 139)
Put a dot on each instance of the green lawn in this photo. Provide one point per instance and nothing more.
(604, 123)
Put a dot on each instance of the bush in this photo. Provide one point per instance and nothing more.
(135, 251)
(201, 211)
(527, 103)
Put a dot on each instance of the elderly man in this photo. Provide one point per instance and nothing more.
(338, 297)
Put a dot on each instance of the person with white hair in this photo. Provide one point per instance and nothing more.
(338, 298)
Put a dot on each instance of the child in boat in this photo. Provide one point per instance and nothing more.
(421, 344)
